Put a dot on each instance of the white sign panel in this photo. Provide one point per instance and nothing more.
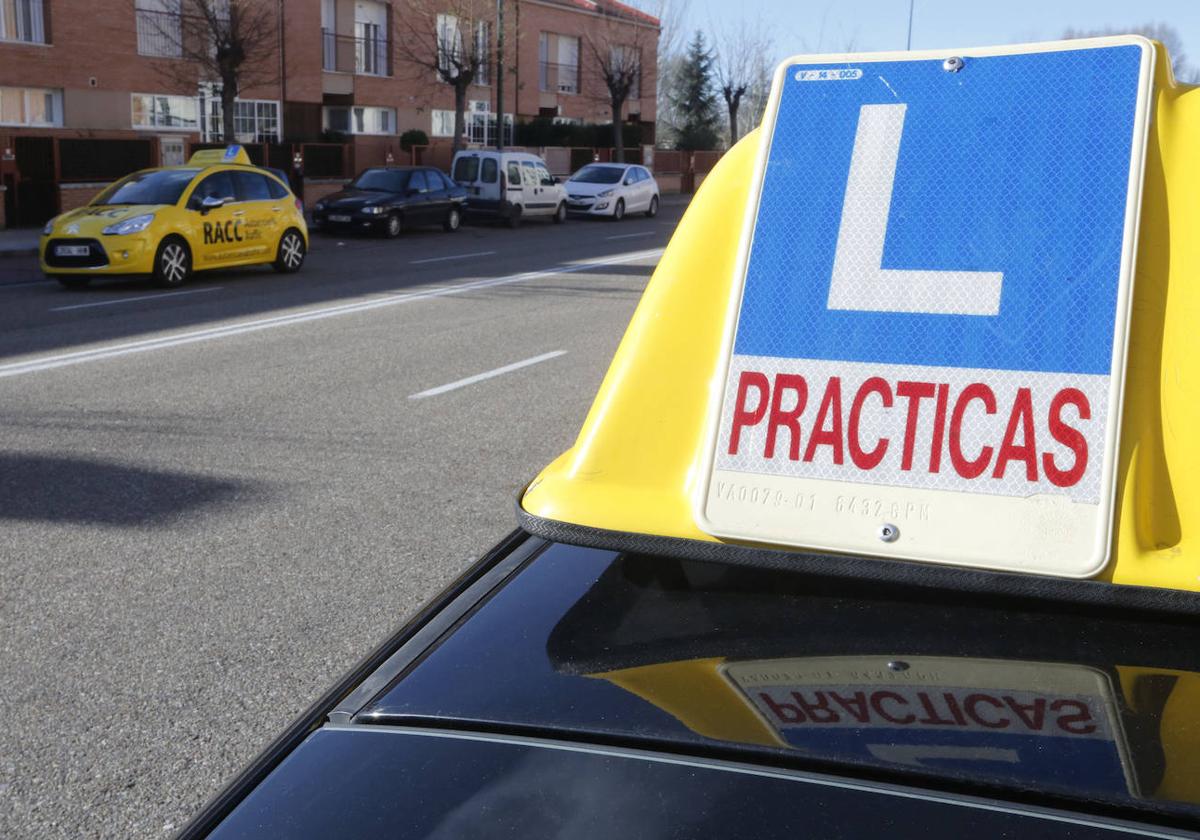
(927, 348)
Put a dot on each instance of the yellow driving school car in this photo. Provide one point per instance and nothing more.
(216, 211)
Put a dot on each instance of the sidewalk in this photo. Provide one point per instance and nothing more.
(19, 242)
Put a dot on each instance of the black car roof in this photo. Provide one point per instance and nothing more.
(1017, 704)
(642, 650)
(422, 783)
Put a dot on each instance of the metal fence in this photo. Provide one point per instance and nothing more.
(86, 159)
(159, 33)
(370, 56)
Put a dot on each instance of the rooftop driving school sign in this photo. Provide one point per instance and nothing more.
(926, 349)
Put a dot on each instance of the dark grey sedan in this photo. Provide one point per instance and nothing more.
(387, 200)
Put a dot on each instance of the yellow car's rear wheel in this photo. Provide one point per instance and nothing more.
(172, 262)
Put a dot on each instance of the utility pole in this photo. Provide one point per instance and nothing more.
(499, 75)
(908, 41)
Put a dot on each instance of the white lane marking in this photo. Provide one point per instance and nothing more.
(132, 299)
(491, 374)
(631, 235)
(145, 345)
(452, 257)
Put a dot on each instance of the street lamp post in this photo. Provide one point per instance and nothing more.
(908, 41)
(499, 75)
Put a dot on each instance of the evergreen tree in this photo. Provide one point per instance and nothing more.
(694, 99)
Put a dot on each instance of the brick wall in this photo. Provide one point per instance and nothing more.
(594, 32)
(315, 190)
(71, 196)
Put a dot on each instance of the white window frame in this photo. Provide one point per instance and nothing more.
(572, 88)
(441, 123)
(25, 29)
(56, 104)
(211, 117)
(449, 43)
(370, 115)
(158, 127)
(479, 128)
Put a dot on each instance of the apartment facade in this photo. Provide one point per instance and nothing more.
(91, 89)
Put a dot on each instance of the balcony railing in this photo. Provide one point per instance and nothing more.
(159, 33)
(558, 78)
(347, 54)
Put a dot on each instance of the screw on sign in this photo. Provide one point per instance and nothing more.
(942, 321)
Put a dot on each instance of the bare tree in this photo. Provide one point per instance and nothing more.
(615, 46)
(672, 33)
(1163, 32)
(742, 58)
(450, 41)
(232, 43)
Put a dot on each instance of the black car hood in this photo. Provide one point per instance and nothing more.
(352, 199)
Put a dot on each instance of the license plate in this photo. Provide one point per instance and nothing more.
(71, 250)
(337, 217)
(910, 381)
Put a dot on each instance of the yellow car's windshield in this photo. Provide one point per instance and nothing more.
(160, 186)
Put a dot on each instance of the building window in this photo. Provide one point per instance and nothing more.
(482, 54)
(30, 106)
(370, 38)
(558, 63)
(452, 55)
(22, 20)
(629, 60)
(159, 28)
(481, 124)
(154, 111)
(254, 120)
(360, 119)
(443, 123)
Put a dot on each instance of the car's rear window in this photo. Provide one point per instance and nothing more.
(466, 170)
(160, 186)
(490, 171)
(598, 175)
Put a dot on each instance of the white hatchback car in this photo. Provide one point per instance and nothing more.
(612, 189)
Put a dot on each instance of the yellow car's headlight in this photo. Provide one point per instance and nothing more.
(135, 225)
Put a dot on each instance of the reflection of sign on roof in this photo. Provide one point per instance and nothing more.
(1053, 724)
(933, 313)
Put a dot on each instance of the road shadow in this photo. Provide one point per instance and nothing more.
(52, 488)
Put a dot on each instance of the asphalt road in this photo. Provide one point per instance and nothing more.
(214, 501)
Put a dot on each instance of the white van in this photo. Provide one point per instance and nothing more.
(509, 185)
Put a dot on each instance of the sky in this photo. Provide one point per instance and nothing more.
(802, 26)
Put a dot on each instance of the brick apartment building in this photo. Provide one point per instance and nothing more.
(92, 89)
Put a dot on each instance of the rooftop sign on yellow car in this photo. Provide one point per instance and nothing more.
(952, 329)
(233, 153)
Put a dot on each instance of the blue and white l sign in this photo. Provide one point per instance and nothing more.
(927, 348)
